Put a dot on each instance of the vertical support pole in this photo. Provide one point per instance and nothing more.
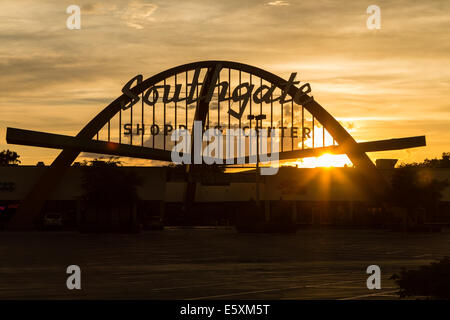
(131, 121)
(240, 125)
(164, 121)
(153, 121)
(257, 164)
(120, 125)
(260, 105)
(229, 99)
(186, 100)
(292, 124)
(282, 125)
(256, 127)
(175, 104)
(271, 110)
(323, 136)
(218, 100)
(303, 127)
(142, 119)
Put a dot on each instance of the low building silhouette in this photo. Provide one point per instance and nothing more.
(307, 196)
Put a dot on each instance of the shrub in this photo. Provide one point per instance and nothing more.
(431, 280)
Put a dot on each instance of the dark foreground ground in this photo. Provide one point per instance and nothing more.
(211, 264)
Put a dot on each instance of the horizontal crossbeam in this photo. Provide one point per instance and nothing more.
(369, 146)
(58, 141)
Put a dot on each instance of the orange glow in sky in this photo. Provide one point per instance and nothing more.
(324, 161)
(379, 84)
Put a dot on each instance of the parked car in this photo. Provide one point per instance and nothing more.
(53, 220)
(153, 223)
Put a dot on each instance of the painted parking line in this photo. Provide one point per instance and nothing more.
(423, 255)
(383, 293)
(245, 293)
(268, 290)
(240, 281)
(328, 284)
(188, 287)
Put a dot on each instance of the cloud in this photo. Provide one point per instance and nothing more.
(278, 3)
(138, 14)
(90, 8)
(56, 80)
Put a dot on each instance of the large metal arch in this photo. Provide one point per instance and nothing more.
(33, 203)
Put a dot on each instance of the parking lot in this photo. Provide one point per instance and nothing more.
(211, 263)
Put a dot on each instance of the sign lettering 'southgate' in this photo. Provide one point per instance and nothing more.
(242, 93)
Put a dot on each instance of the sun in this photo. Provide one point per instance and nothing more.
(332, 160)
(326, 160)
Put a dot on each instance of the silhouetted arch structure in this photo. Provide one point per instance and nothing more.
(72, 146)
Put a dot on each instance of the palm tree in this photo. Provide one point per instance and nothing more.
(8, 158)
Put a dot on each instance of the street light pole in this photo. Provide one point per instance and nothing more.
(258, 119)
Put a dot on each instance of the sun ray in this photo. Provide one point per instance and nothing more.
(326, 160)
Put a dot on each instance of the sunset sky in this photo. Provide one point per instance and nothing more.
(387, 83)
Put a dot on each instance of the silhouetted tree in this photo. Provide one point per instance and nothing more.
(414, 189)
(107, 187)
(431, 163)
(8, 158)
(431, 280)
